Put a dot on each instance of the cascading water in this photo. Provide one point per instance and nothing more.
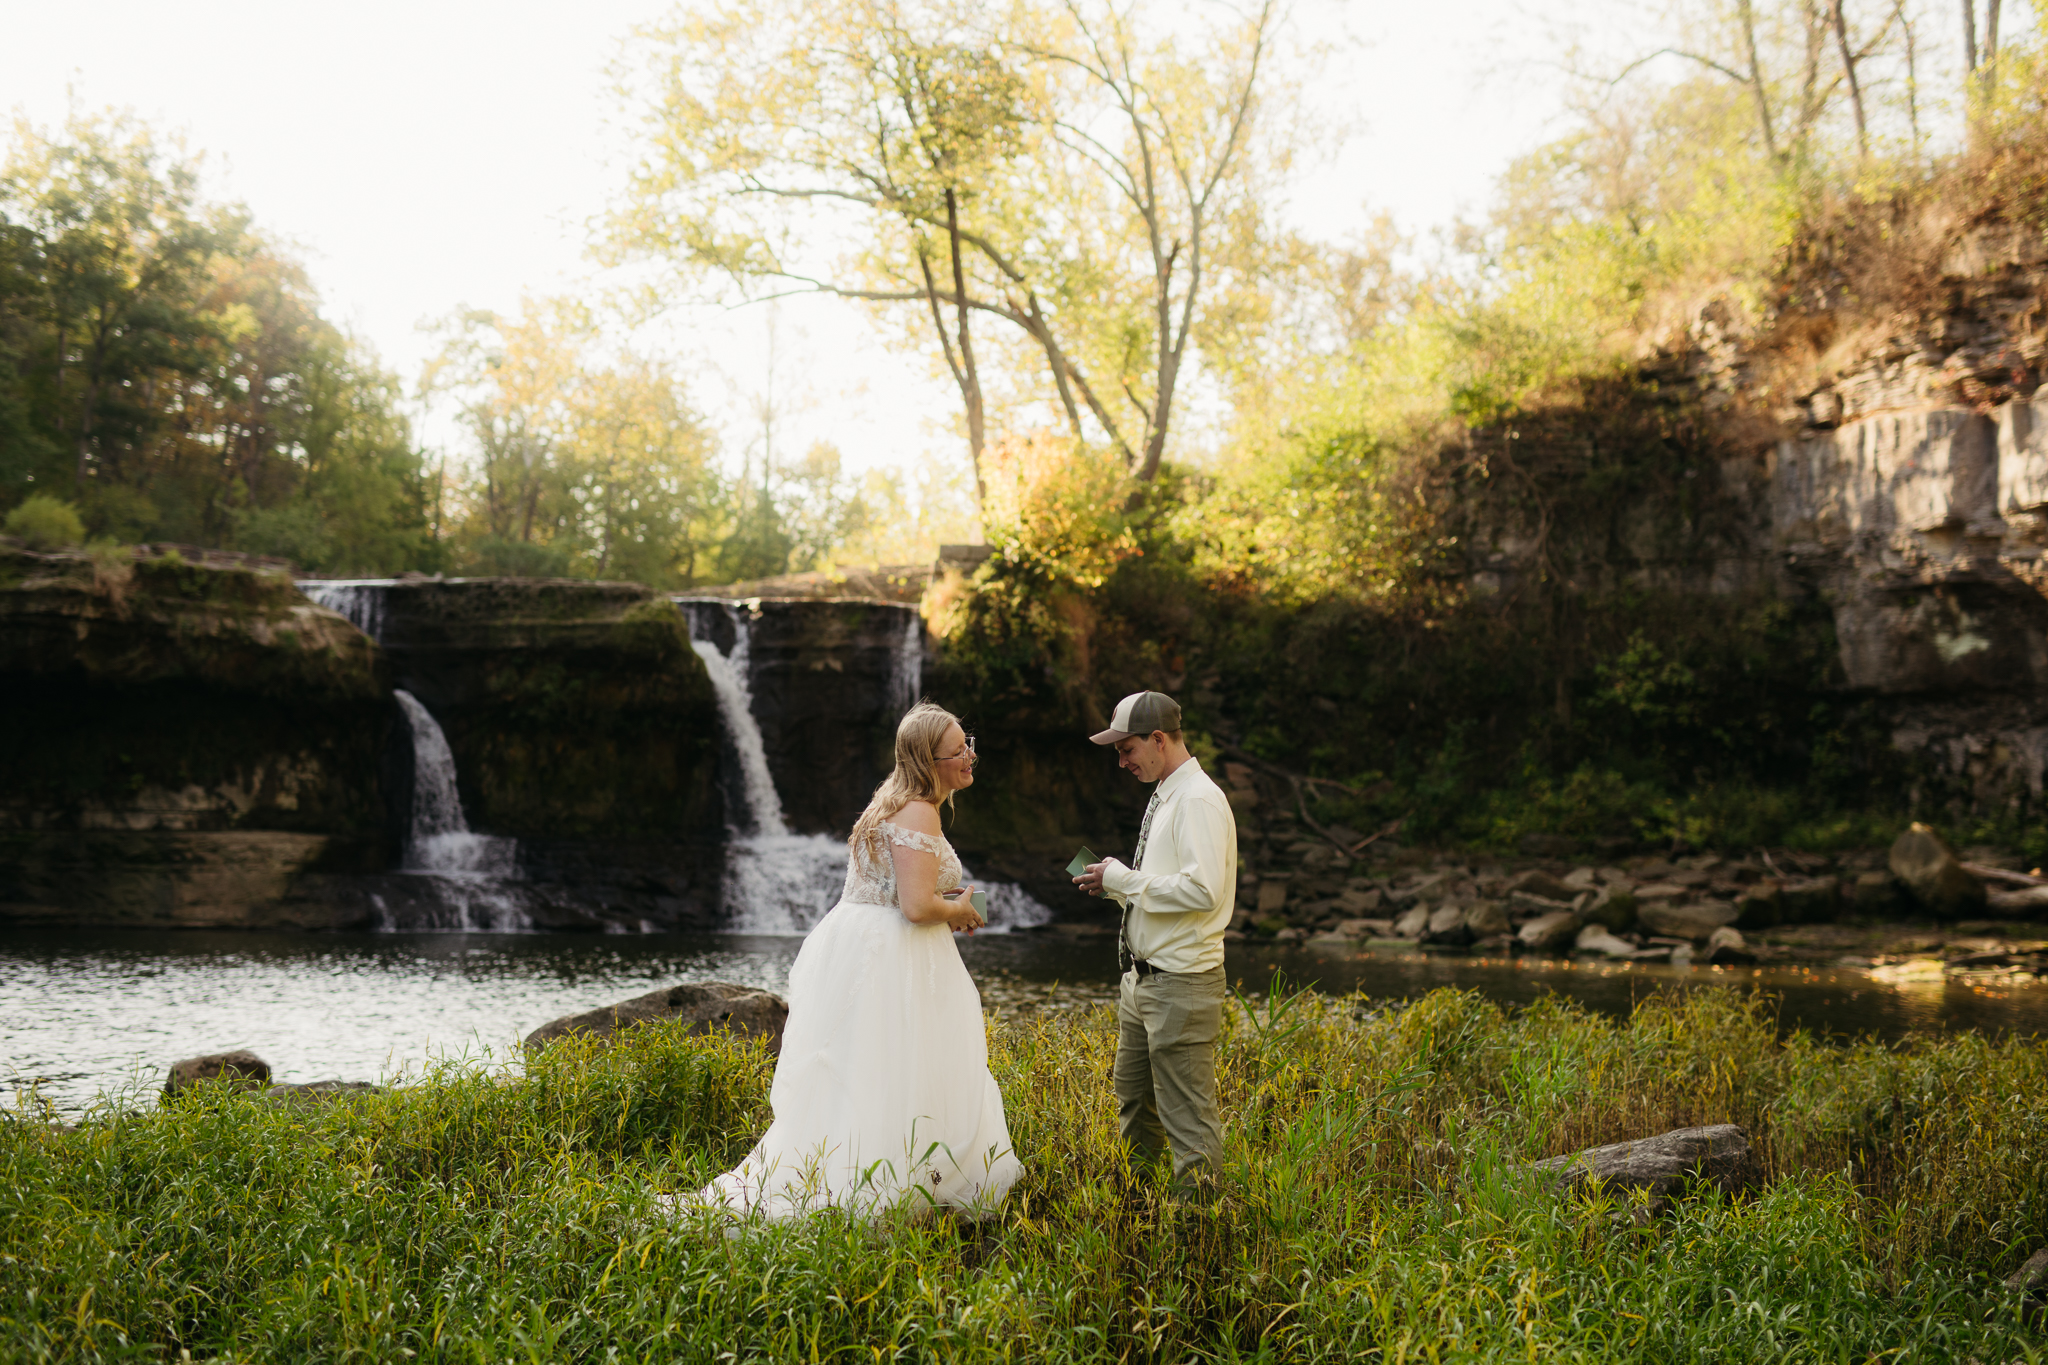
(474, 874)
(777, 882)
(361, 600)
(471, 880)
(906, 664)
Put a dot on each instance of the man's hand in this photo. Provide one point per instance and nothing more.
(1090, 880)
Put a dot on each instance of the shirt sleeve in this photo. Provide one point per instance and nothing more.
(1200, 836)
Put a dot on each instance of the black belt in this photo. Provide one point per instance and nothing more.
(1144, 968)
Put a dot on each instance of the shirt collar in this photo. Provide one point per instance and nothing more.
(1179, 777)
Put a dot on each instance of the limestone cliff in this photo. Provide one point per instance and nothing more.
(184, 741)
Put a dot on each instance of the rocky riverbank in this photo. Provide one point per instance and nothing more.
(1914, 909)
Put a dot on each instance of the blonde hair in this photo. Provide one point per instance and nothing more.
(916, 775)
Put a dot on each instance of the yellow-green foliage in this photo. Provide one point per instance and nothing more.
(1376, 1207)
(45, 522)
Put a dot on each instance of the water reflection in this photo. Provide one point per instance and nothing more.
(85, 1012)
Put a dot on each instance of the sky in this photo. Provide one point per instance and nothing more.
(431, 156)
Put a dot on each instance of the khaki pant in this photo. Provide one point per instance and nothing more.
(1166, 1067)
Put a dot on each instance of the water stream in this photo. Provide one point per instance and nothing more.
(781, 882)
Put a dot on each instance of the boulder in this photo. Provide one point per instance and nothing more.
(1664, 1165)
(1412, 923)
(1758, 906)
(1526, 903)
(2031, 1278)
(1272, 896)
(1726, 945)
(1447, 925)
(1549, 933)
(1810, 900)
(1613, 907)
(1366, 928)
(1696, 922)
(243, 1070)
(1934, 876)
(1486, 919)
(1540, 883)
(707, 1006)
(1359, 901)
(1595, 938)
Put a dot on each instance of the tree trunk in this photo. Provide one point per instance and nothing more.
(1849, 70)
(970, 387)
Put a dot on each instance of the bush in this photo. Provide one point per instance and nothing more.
(46, 522)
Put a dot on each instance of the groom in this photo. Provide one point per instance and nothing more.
(1177, 902)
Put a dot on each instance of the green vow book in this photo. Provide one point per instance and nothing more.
(1081, 861)
(981, 904)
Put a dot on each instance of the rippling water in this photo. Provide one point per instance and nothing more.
(86, 1013)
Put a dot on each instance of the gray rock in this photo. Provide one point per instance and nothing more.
(1545, 886)
(1447, 925)
(1758, 906)
(1359, 901)
(1613, 907)
(243, 1070)
(1486, 919)
(1595, 938)
(709, 1005)
(2020, 903)
(1810, 900)
(1366, 928)
(1727, 945)
(1582, 879)
(1551, 932)
(2031, 1278)
(1934, 876)
(1659, 891)
(1695, 922)
(1664, 1165)
(1412, 923)
(1529, 903)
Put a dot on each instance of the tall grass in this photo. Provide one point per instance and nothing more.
(1376, 1208)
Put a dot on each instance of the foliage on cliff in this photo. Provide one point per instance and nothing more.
(1376, 1206)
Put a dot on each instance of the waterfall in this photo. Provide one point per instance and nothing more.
(906, 664)
(778, 882)
(472, 874)
(361, 600)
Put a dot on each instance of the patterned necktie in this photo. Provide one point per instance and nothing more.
(1123, 929)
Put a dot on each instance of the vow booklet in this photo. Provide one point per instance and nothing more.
(1081, 861)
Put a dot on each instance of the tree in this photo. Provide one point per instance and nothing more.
(587, 459)
(1064, 170)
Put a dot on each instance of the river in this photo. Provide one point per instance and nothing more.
(87, 1014)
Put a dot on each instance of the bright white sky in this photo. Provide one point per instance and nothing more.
(430, 155)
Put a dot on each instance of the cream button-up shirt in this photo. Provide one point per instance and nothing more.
(1182, 894)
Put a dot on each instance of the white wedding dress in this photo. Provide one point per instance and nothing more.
(882, 1095)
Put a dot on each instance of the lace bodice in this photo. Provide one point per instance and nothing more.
(872, 881)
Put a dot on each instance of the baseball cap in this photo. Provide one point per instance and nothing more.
(1140, 714)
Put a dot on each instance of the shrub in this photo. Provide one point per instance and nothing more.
(46, 522)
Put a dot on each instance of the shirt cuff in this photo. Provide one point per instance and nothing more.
(1116, 877)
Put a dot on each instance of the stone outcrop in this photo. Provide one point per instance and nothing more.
(184, 742)
(1663, 1166)
(708, 1006)
(574, 710)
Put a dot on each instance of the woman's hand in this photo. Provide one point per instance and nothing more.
(963, 918)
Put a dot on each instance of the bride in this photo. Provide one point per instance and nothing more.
(882, 1095)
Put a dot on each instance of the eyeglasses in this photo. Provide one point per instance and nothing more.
(966, 752)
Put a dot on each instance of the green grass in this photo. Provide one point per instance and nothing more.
(1376, 1208)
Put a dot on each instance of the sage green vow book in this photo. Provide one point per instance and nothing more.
(1081, 861)
(981, 904)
